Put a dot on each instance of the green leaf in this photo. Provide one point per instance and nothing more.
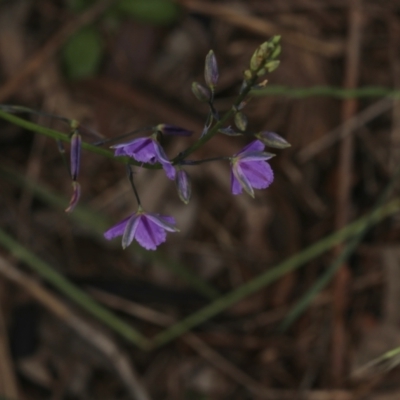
(82, 53)
(159, 12)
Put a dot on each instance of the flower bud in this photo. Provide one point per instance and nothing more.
(172, 130)
(272, 65)
(248, 75)
(240, 121)
(202, 93)
(259, 56)
(75, 196)
(183, 185)
(275, 39)
(276, 52)
(76, 143)
(261, 72)
(229, 131)
(264, 54)
(272, 139)
(211, 70)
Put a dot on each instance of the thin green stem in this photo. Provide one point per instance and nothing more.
(326, 91)
(124, 135)
(72, 291)
(350, 248)
(21, 109)
(275, 273)
(214, 130)
(30, 126)
(130, 177)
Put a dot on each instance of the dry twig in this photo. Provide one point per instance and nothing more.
(34, 64)
(263, 27)
(103, 343)
(8, 383)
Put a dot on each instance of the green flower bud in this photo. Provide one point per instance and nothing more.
(275, 39)
(272, 139)
(230, 132)
(240, 121)
(183, 185)
(248, 75)
(201, 92)
(272, 65)
(276, 52)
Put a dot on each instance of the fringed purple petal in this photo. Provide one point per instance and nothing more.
(258, 173)
(164, 222)
(117, 229)
(169, 171)
(250, 170)
(149, 234)
(242, 178)
(141, 149)
(255, 146)
(236, 187)
(161, 157)
(130, 230)
(149, 230)
(159, 153)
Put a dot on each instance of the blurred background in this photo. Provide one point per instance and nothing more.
(78, 314)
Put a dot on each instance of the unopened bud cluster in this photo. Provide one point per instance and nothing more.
(264, 59)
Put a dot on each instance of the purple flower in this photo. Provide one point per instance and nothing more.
(148, 229)
(250, 169)
(146, 150)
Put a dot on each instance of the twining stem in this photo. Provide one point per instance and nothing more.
(130, 176)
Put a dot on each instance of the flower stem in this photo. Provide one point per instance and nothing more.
(214, 130)
(123, 136)
(291, 264)
(130, 176)
(63, 137)
(21, 109)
